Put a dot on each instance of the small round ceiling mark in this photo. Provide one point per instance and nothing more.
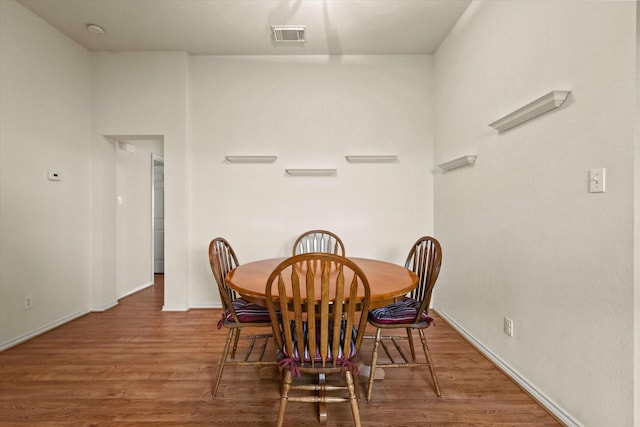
(95, 29)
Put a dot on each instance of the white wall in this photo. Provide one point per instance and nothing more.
(45, 125)
(636, 235)
(310, 111)
(522, 237)
(134, 216)
(137, 95)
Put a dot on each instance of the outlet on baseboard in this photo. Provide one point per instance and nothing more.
(508, 326)
(28, 302)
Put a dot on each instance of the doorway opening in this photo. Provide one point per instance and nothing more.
(157, 210)
(134, 219)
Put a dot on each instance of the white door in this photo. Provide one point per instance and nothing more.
(158, 216)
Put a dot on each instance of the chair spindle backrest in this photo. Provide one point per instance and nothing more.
(339, 290)
(223, 259)
(318, 241)
(424, 259)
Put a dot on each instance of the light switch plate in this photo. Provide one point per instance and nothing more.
(596, 180)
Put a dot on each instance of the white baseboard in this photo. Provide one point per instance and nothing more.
(112, 304)
(138, 289)
(166, 308)
(32, 334)
(200, 306)
(105, 307)
(42, 330)
(543, 400)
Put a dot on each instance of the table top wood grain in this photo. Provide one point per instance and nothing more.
(388, 282)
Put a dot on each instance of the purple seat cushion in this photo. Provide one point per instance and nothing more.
(403, 311)
(248, 312)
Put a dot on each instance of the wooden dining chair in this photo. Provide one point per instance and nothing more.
(410, 313)
(320, 334)
(318, 241)
(237, 313)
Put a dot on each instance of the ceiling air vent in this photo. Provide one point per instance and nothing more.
(288, 33)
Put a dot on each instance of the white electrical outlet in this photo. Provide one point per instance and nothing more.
(28, 302)
(508, 326)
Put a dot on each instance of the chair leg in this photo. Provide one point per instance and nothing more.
(374, 361)
(352, 398)
(286, 386)
(432, 369)
(356, 384)
(236, 338)
(410, 339)
(225, 353)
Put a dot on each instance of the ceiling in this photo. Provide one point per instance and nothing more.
(243, 27)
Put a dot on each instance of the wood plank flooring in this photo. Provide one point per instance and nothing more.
(137, 365)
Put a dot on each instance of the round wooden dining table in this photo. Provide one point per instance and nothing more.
(388, 282)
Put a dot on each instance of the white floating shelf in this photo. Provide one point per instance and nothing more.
(458, 163)
(372, 159)
(251, 159)
(311, 172)
(544, 104)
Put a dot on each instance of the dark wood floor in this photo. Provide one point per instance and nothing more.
(137, 365)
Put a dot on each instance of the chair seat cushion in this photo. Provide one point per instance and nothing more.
(403, 311)
(307, 356)
(248, 312)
